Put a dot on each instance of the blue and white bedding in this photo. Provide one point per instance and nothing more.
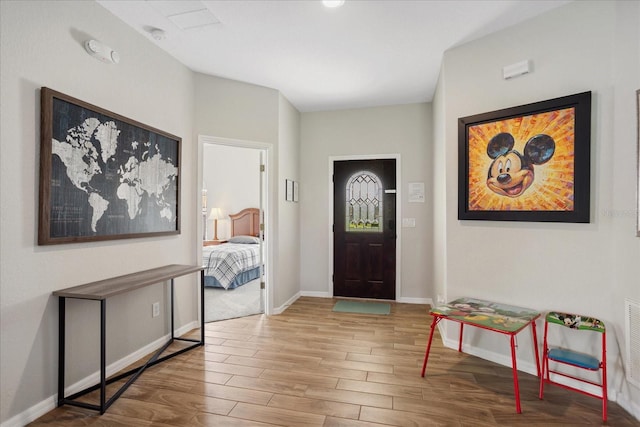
(230, 265)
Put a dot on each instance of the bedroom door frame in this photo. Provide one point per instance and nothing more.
(395, 157)
(267, 184)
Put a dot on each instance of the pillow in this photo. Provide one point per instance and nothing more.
(244, 239)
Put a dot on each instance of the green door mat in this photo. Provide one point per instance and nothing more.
(345, 306)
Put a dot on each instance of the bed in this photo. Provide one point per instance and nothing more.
(236, 262)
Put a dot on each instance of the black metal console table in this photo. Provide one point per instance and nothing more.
(101, 291)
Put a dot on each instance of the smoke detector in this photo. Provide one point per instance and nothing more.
(158, 34)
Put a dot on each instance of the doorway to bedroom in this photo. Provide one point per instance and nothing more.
(232, 239)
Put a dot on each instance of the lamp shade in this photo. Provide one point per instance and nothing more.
(215, 213)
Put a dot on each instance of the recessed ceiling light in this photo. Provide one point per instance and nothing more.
(332, 3)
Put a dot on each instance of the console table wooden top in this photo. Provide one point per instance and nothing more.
(103, 289)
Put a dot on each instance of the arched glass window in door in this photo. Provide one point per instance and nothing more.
(364, 203)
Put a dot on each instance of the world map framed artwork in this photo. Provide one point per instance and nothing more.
(104, 176)
(527, 163)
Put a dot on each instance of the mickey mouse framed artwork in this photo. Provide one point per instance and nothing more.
(527, 163)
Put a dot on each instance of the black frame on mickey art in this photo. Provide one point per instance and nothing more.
(104, 176)
(527, 163)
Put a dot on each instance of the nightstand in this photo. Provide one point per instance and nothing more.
(213, 242)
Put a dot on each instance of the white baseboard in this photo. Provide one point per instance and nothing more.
(39, 409)
(501, 359)
(315, 294)
(31, 414)
(415, 300)
(628, 405)
(283, 307)
(405, 300)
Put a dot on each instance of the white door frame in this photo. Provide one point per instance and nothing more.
(266, 197)
(332, 159)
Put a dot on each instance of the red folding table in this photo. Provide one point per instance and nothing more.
(491, 316)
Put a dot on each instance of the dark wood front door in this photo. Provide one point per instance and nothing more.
(364, 230)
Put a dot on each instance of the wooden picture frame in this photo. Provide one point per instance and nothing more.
(527, 163)
(104, 176)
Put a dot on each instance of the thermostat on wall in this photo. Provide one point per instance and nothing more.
(517, 69)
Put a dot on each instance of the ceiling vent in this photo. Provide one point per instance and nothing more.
(185, 14)
(194, 19)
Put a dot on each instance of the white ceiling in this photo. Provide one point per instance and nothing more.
(363, 54)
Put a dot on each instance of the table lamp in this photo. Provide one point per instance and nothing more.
(215, 216)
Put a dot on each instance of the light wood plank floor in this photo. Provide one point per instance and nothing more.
(310, 366)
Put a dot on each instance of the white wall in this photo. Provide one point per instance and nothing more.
(231, 109)
(42, 45)
(231, 176)
(241, 111)
(288, 212)
(589, 268)
(404, 130)
(438, 169)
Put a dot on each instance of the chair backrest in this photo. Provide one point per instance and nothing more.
(575, 321)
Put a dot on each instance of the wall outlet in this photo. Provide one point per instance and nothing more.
(155, 309)
(440, 299)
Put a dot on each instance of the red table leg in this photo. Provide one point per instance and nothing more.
(526, 317)
(426, 354)
(535, 346)
(516, 387)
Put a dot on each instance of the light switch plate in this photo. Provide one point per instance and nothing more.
(408, 222)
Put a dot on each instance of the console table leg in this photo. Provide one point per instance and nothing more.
(103, 355)
(61, 355)
(171, 296)
(201, 307)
